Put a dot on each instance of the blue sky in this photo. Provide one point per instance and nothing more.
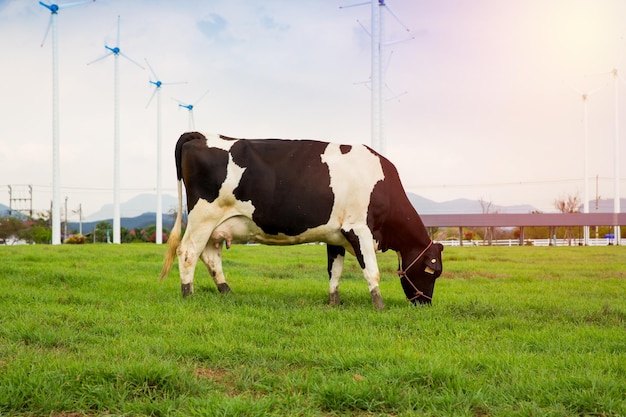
(490, 109)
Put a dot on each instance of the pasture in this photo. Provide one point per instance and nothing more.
(88, 330)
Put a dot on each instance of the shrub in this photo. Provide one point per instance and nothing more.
(76, 240)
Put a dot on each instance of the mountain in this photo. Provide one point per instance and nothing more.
(142, 221)
(4, 210)
(136, 206)
(604, 206)
(462, 206)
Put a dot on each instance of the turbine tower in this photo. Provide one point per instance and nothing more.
(116, 52)
(190, 124)
(616, 190)
(378, 70)
(56, 163)
(157, 91)
(585, 97)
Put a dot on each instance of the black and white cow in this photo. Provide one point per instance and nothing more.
(285, 192)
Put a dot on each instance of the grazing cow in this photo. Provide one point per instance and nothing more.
(285, 192)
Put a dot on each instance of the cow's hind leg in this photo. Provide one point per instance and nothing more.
(187, 259)
(191, 247)
(336, 256)
(212, 258)
(361, 240)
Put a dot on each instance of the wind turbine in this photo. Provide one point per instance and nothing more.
(56, 163)
(378, 71)
(189, 107)
(157, 91)
(616, 183)
(585, 97)
(116, 52)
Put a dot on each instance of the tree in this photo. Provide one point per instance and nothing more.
(101, 231)
(150, 233)
(568, 205)
(489, 231)
(10, 228)
(126, 236)
(37, 233)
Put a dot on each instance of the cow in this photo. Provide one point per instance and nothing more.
(287, 192)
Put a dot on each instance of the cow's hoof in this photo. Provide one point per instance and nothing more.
(187, 289)
(377, 299)
(223, 288)
(333, 299)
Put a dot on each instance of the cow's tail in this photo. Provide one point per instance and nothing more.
(173, 241)
(175, 235)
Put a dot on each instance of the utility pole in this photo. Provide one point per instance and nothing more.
(80, 218)
(10, 200)
(597, 203)
(20, 199)
(30, 190)
(65, 235)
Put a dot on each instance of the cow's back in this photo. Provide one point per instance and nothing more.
(286, 182)
(294, 186)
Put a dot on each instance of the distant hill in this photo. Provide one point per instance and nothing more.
(138, 212)
(4, 210)
(136, 206)
(462, 206)
(142, 221)
(604, 206)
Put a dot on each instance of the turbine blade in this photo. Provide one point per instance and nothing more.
(601, 73)
(174, 83)
(576, 90)
(396, 96)
(132, 60)
(100, 59)
(117, 41)
(180, 103)
(151, 97)
(76, 3)
(364, 28)
(354, 5)
(395, 16)
(410, 38)
(156, 77)
(595, 90)
(201, 97)
(47, 6)
(45, 35)
(388, 62)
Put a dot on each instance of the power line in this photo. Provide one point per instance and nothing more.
(502, 184)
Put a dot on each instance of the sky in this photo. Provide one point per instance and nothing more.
(484, 98)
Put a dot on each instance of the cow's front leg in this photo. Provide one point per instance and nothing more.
(212, 258)
(336, 256)
(362, 240)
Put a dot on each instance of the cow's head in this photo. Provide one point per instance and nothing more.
(418, 275)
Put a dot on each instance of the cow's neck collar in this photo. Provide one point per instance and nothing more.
(402, 272)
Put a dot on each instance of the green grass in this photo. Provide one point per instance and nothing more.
(521, 331)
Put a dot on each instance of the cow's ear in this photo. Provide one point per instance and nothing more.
(433, 265)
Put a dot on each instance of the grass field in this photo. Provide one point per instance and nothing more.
(522, 331)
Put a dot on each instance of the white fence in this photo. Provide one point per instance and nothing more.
(529, 242)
